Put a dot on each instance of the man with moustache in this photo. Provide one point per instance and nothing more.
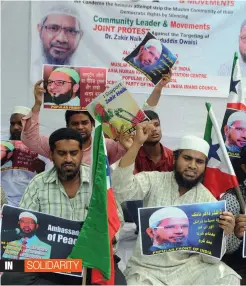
(60, 34)
(62, 87)
(225, 69)
(148, 55)
(19, 249)
(62, 191)
(235, 132)
(168, 228)
(182, 186)
(15, 180)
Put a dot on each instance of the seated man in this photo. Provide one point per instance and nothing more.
(62, 191)
(18, 163)
(182, 186)
(235, 241)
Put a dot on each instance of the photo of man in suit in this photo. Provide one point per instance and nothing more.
(29, 245)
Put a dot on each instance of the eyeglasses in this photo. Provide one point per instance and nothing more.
(243, 38)
(238, 129)
(58, 82)
(55, 30)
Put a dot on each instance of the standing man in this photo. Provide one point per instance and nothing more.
(62, 191)
(78, 120)
(81, 121)
(152, 155)
(14, 180)
(182, 186)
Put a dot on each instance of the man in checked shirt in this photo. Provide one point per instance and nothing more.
(62, 191)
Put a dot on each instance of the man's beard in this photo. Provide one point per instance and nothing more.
(184, 183)
(28, 234)
(67, 175)
(49, 59)
(62, 98)
(151, 143)
(15, 136)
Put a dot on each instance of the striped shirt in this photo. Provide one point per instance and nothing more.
(45, 193)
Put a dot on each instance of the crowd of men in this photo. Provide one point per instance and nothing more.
(144, 173)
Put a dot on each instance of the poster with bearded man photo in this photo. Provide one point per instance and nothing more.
(190, 228)
(70, 87)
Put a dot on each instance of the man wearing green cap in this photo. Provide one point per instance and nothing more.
(62, 87)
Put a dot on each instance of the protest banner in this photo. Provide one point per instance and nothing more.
(105, 32)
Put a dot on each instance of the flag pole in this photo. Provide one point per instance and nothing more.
(84, 275)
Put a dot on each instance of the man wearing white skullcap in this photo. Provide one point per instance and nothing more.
(235, 132)
(164, 236)
(13, 153)
(182, 186)
(148, 54)
(60, 32)
(20, 249)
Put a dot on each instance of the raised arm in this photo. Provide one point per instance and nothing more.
(125, 184)
(30, 135)
(154, 98)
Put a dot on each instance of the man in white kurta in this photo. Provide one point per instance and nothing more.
(162, 189)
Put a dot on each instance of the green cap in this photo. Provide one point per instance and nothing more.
(71, 72)
(8, 145)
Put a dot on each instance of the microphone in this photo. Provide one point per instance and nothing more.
(16, 231)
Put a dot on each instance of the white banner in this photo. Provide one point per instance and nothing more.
(203, 34)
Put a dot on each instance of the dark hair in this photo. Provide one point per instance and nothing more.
(64, 134)
(70, 113)
(151, 115)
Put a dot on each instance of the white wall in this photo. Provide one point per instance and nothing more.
(179, 115)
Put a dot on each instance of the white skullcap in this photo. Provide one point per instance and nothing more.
(236, 116)
(169, 212)
(30, 215)
(61, 8)
(154, 43)
(194, 143)
(21, 110)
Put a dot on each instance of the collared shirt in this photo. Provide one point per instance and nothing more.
(34, 248)
(32, 139)
(46, 194)
(144, 163)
